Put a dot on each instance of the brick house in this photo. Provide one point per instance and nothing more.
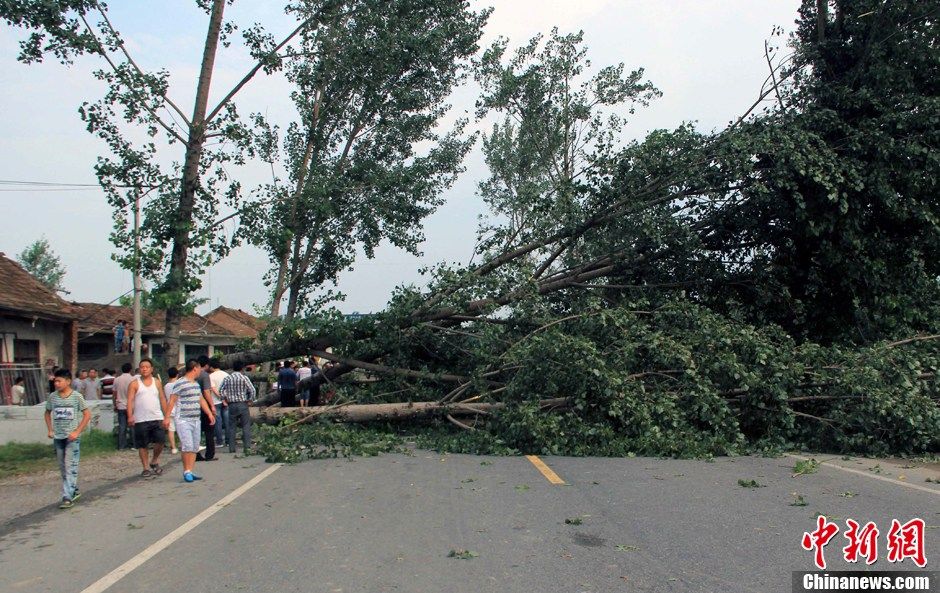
(198, 334)
(241, 324)
(37, 326)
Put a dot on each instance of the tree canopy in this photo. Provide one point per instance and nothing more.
(40, 260)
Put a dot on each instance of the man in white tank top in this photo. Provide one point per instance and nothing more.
(146, 404)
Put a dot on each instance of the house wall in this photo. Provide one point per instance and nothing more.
(52, 336)
(26, 424)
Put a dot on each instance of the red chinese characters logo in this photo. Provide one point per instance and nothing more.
(904, 541)
(818, 539)
(907, 541)
(862, 542)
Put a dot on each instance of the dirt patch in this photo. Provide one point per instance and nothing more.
(26, 493)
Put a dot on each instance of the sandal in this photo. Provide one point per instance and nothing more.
(146, 473)
(156, 469)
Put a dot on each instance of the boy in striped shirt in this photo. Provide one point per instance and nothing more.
(189, 401)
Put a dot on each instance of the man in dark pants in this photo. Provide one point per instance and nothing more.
(237, 391)
(121, 384)
(208, 429)
(287, 385)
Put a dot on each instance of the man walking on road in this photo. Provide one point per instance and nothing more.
(145, 411)
(216, 376)
(190, 402)
(208, 428)
(121, 383)
(237, 391)
(63, 407)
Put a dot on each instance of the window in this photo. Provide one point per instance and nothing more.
(195, 350)
(93, 350)
(26, 351)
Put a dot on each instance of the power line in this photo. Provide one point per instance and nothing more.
(60, 186)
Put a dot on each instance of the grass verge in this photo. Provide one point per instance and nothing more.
(21, 458)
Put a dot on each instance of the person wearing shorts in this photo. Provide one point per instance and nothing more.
(172, 375)
(188, 402)
(146, 404)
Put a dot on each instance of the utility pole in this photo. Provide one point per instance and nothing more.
(137, 281)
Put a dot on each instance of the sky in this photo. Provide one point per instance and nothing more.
(706, 56)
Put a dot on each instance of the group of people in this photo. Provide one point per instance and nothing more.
(291, 384)
(199, 399)
(123, 341)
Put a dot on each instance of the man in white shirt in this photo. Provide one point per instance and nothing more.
(172, 377)
(216, 376)
(146, 404)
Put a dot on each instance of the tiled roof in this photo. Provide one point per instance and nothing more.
(22, 293)
(95, 318)
(243, 325)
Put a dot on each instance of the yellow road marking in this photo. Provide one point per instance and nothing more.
(544, 469)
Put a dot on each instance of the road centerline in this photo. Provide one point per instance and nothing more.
(166, 541)
(546, 471)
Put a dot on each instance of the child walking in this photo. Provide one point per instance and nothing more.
(65, 429)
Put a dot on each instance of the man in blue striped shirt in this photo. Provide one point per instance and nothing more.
(237, 391)
(188, 398)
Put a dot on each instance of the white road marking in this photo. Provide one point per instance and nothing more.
(152, 550)
(871, 475)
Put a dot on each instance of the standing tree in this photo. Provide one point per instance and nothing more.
(182, 199)
(39, 260)
(364, 160)
(559, 128)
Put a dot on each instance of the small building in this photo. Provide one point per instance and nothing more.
(38, 331)
(37, 326)
(198, 335)
(241, 324)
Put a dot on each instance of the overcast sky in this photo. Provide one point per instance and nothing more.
(706, 56)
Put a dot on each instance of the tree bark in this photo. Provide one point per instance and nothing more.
(822, 15)
(176, 283)
(394, 411)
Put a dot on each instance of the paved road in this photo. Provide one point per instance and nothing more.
(387, 524)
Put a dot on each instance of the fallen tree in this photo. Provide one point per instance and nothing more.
(753, 289)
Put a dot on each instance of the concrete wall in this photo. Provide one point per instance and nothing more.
(50, 334)
(25, 424)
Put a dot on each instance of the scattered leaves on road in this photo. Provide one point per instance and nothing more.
(625, 548)
(133, 526)
(798, 500)
(460, 554)
(848, 494)
(522, 487)
(749, 484)
(574, 521)
(806, 466)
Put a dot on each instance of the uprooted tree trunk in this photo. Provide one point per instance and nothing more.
(392, 411)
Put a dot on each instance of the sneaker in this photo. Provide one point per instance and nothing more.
(195, 477)
(188, 477)
(76, 496)
(65, 504)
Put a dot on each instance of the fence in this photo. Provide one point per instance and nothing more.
(36, 382)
